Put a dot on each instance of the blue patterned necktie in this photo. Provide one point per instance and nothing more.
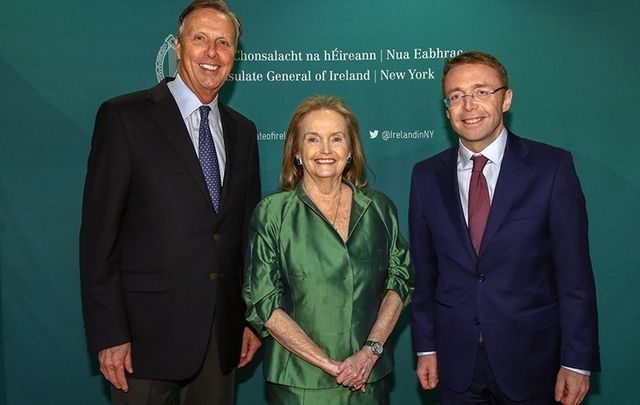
(208, 157)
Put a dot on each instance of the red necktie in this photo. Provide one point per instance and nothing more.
(478, 201)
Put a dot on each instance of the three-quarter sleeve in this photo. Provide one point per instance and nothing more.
(262, 290)
(400, 273)
(400, 277)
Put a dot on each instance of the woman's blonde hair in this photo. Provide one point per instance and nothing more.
(353, 172)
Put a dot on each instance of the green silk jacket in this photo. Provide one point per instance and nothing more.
(298, 262)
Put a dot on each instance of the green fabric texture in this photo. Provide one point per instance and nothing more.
(376, 393)
(298, 262)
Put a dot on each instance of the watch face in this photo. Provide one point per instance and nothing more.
(377, 348)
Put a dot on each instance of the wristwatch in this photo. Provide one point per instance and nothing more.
(376, 347)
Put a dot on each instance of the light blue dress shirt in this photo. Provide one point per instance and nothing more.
(188, 103)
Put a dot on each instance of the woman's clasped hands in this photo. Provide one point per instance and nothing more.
(354, 371)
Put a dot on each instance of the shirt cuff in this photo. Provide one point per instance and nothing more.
(425, 353)
(579, 371)
(400, 286)
(259, 313)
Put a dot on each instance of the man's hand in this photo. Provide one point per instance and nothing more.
(113, 362)
(250, 345)
(571, 387)
(427, 371)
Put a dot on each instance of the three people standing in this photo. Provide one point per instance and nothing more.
(504, 307)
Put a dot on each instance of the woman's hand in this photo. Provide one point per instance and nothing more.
(354, 370)
(332, 367)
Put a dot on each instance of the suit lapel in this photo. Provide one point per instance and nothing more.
(512, 171)
(167, 115)
(448, 181)
(229, 133)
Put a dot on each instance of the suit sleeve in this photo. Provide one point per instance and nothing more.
(105, 196)
(574, 276)
(425, 264)
(253, 186)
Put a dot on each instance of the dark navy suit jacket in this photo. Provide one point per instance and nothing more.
(530, 290)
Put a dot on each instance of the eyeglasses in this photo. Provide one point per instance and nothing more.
(481, 93)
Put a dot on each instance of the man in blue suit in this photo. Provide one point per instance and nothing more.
(504, 310)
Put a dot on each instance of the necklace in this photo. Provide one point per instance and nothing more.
(335, 215)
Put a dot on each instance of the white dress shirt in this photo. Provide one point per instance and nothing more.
(189, 105)
(494, 152)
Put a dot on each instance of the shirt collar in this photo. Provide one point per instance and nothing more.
(357, 193)
(494, 151)
(187, 101)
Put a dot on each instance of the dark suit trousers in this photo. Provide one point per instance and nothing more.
(208, 387)
(485, 390)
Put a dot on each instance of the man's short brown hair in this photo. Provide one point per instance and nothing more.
(474, 58)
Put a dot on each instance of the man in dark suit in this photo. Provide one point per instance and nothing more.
(504, 310)
(171, 183)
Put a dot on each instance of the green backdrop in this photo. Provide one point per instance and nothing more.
(574, 70)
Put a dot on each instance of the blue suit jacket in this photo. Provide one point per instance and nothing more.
(530, 290)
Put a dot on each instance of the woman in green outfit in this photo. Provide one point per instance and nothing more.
(327, 271)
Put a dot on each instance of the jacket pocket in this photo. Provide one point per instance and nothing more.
(523, 213)
(138, 281)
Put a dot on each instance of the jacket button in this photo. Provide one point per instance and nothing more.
(213, 276)
(481, 277)
(216, 236)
